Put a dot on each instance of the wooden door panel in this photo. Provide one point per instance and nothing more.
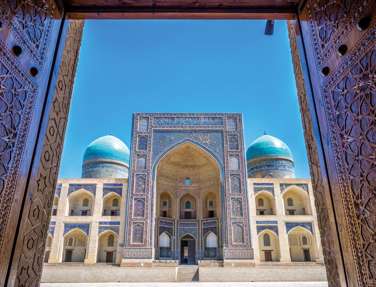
(341, 54)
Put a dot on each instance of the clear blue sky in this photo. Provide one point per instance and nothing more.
(182, 66)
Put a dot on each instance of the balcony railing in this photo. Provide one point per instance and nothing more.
(79, 212)
(109, 212)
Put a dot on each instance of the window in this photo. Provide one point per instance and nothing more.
(165, 203)
(268, 255)
(187, 181)
(84, 212)
(305, 240)
(290, 202)
(115, 202)
(49, 241)
(307, 255)
(114, 212)
(85, 202)
(164, 245)
(210, 204)
(110, 240)
(266, 239)
(261, 212)
(46, 256)
(164, 213)
(70, 242)
(187, 215)
(211, 245)
(188, 205)
(260, 202)
(211, 214)
(291, 211)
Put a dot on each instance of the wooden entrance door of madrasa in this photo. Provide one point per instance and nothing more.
(334, 54)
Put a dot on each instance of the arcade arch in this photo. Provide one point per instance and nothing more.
(188, 184)
(75, 244)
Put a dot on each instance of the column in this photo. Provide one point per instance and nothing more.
(282, 233)
(120, 245)
(92, 249)
(253, 223)
(316, 231)
(57, 248)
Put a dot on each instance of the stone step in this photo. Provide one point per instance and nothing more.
(187, 273)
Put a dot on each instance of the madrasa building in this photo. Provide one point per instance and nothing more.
(187, 193)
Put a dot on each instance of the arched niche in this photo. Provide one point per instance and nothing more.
(47, 250)
(210, 205)
(111, 204)
(188, 207)
(211, 245)
(166, 205)
(107, 246)
(188, 249)
(75, 245)
(80, 203)
(187, 188)
(265, 203)
(165, 245)
(187, 169)
(296, 201)
(302, 245)
(269, 246)
(55, 205)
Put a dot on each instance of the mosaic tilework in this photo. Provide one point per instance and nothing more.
(261, 228)
(112, 187)
(306, 225)
(303, 186)
(85, 227)
(269, 187)
(77, 186)
(154, 135)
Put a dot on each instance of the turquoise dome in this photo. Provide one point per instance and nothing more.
(268, 146)
(107, 148)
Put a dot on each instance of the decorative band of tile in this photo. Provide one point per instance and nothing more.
(267, 222)
(187, 121)
(58, 188)
(51, 230)
(109, 223)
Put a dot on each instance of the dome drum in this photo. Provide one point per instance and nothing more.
(271, 168)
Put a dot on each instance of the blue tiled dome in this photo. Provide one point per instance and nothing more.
(107, 148)
(268, 146)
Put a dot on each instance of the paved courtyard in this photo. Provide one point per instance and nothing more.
(192, 284)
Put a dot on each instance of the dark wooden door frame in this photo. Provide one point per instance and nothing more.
(333, 48)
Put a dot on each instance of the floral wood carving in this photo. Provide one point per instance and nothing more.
(329, 245)
(346, 109)
(33, 232)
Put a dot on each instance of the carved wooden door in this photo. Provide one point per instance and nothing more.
(339, 37)
(34, 102)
